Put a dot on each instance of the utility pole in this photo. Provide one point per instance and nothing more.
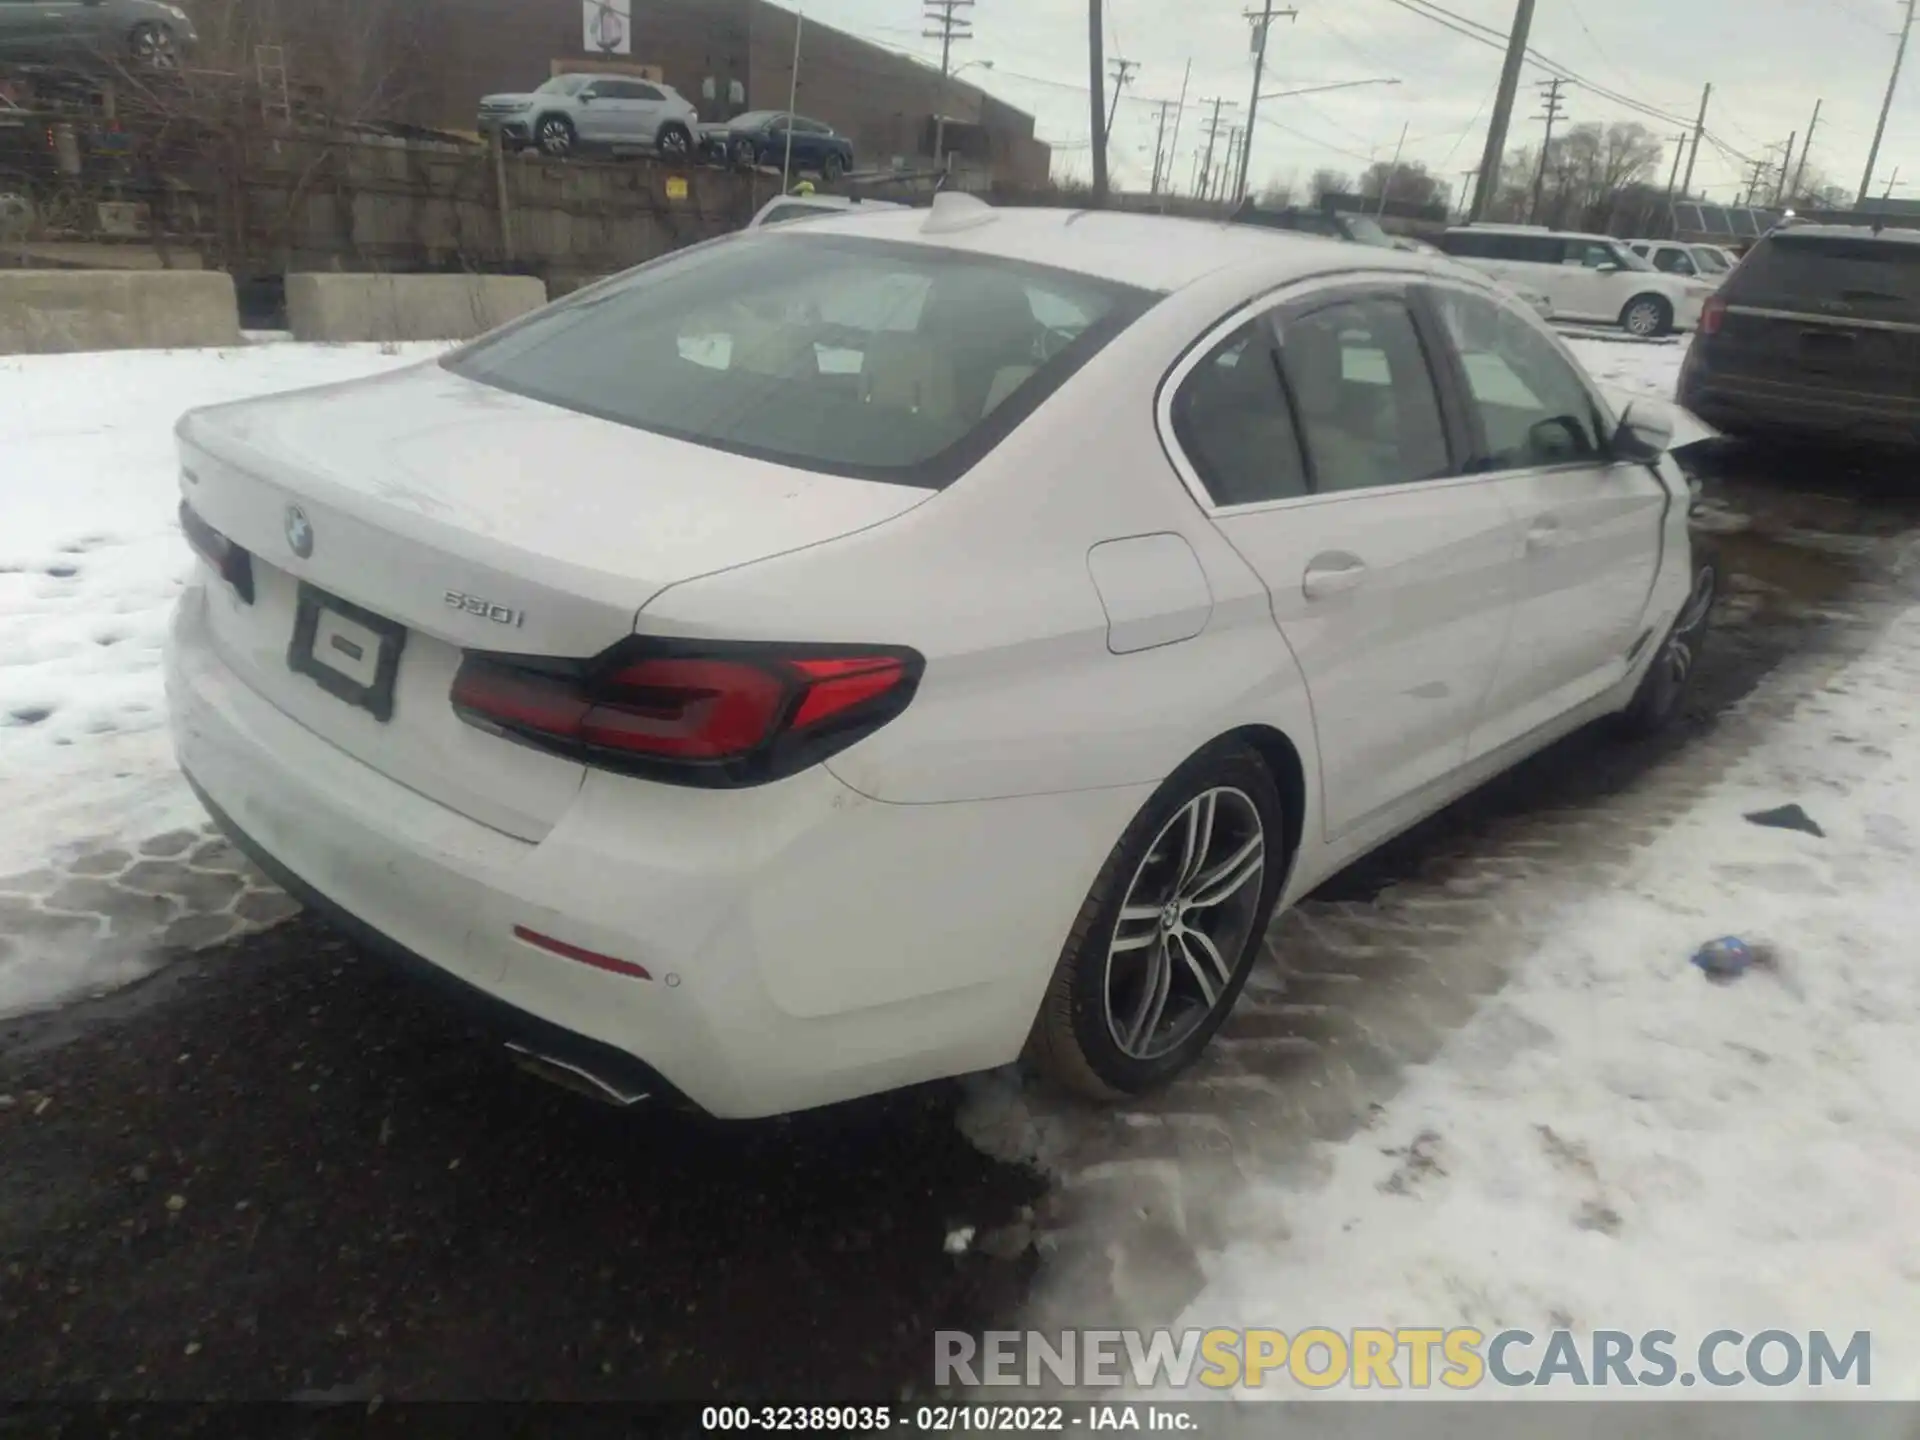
(948, 21)
(1502, 111)
(1892, 180)
(1228, 159)
(1097, 79)
(1786, 164)
(1159, 146)
(1893, 82)
(1393, 171)
(1262, 22)
(1812, 125)
(1673, 175)
(1699, 127)
(1179, 114)
(1552, 103)
(1466, 191)
(1756, 172)
(1213, 132)
(1122, 73)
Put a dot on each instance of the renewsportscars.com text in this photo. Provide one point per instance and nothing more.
(1460, 1358)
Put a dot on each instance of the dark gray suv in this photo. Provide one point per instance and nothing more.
(148, 31)
(1815, 335)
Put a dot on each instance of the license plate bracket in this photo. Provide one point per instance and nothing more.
(351, 653)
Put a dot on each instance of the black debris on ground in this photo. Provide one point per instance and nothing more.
(1787, 817)
(279, 1170)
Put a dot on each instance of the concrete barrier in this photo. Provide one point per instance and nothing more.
(338, 308)
(51, 312)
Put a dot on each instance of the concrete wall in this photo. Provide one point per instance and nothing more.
(406, 307)
(47, 312)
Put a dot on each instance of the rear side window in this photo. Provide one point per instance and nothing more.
(1365, 397)
(860, 357)
(1534, 409)
(1860, 277)
(1232, 419)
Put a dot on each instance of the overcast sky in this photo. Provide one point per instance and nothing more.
(1768, 61)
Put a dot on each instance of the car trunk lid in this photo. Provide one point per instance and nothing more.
(420, 515)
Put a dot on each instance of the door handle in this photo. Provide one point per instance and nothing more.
(1544, 535)
(1332, 575)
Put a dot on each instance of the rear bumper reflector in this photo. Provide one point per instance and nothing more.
(574, 952)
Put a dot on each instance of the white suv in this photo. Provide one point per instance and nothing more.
(1591, 278)
(1678, 257)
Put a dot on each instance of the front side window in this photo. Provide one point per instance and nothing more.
(1672, 260)
(1232, 419)
(1533, 407)
(874, 359)
(1365, 397)
(1591, 253)
(564, 85)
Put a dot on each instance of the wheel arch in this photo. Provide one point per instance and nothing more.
(1282, 759)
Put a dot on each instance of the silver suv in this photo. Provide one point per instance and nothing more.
(570, 111)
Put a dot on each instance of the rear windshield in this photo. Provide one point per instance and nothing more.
(874, 359)
(1860, 276)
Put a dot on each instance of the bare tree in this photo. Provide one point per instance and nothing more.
(1330, 182)
(1275, 195)
(1409, 183)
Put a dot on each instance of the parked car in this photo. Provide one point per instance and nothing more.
(1680, 257)
(1361, 230)
(571, 111)
(782, 208)
(1593, 278)
(761, 137)
(147, 31)
(848, 653)
(1815, 336)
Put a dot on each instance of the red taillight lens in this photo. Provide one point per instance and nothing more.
(723, 715)
(234, 564)
(1711, 314)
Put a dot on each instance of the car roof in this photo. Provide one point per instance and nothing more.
(1530, 230)
(1851, 232)
(1153, 252)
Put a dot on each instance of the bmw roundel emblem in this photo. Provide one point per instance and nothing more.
(299, 532)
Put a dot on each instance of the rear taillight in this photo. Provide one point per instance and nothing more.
(234, 564)
(719, 714)
(1711, 314)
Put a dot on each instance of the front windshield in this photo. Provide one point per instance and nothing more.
(1629, 260)
(1368, 232)
(562, 85)
(1711, 260)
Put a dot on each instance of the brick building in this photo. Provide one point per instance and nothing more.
(726, 56)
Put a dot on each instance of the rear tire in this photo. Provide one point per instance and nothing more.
(674, 142)
(832, 168)
(1166, 938)
(152, 45)
(1662, 692)
(1646, 316)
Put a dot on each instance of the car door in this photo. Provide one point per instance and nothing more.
(1588, 526)
(650, 107)
(1588, 287)
(36, 27)
(626, 112)
(1316, 434)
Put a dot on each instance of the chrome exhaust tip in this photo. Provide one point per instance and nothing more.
(569, 1076)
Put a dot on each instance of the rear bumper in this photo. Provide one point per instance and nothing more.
(1742, 405)
(804, 944)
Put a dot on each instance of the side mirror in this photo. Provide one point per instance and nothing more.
(1645, 434)
(1608, 268)
(585, 97)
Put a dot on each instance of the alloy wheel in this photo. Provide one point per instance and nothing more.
(555, 137)
(1644, 319)
(1185, 923)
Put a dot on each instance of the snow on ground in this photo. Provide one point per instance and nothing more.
(1623, 1143)
(1650, 367)
(90, 559)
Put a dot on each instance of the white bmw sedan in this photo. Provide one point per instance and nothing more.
(858, 652)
